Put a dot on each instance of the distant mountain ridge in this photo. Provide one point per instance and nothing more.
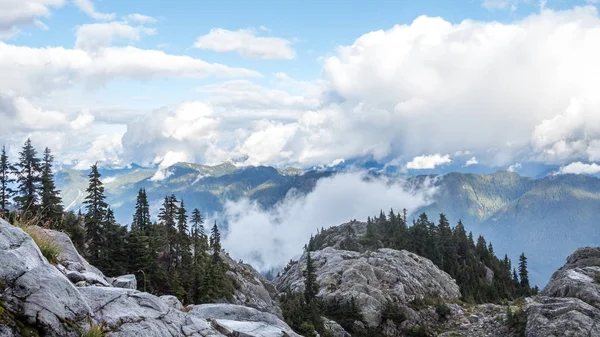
(546, 217)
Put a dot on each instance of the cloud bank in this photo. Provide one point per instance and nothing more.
(269, 239)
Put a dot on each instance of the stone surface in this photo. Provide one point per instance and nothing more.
(172, 301)
(35, 290)
(249, 321)
(372, 278)
(557, 317)
(252, 289)
(335, 329)
(569, 305)
(125, 281)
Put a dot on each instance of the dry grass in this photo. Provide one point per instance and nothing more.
(50, 249)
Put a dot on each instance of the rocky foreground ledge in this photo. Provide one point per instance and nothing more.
(38, 298)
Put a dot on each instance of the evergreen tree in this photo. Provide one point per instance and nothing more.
(139, 256)
(141, 218)
(311, 287)
(114, 248)
(523, 274)
(28, 172)
(167, 219)
(6, 180)
(200, 245)
(95, 214)
(52, 209)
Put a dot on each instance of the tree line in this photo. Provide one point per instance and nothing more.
(173, 255)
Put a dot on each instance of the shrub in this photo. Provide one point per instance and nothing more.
(516, 321)
(418, 331)
(393, 312)
(443, 311)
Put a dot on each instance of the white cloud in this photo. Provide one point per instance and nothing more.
(269, 239)
(580, 168)
(83, 121)
(450, 102)
(246, 43)
(170, 158)
(87, 6)
(95, 36)
(514, 167)
(428, 162)
(19, 13)
(106, 148)
(188, 130)
(18, 114)
(247, 95)
(140, 18)
(31, 71)
(472, 161)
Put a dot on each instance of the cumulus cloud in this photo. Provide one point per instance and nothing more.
(106, 148)
(32, 71)
(95, 36)
(19, 114)
(246, 43)
(19, 13)
(514, 167)
(453, 93)
(87, 6)
(83, 121)
(187, 129)
(580, 168)
(170, 158)
(472, 161)
(428, 162)
(269, 239)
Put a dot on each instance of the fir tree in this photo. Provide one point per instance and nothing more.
(52, 209)
(6, 180)
(311, 287)
(28, 172)
(139, 256)
(141, 218)
(523, 274)
(95, 214)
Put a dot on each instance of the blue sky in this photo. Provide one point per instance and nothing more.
(414, 84)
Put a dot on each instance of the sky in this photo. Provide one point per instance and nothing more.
(419, 84)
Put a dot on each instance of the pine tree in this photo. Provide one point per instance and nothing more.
(141, 218)
(95, 214)
(52, 209)
(311, 287)
(114, 249)
(6, 180)
(200, 246)
(167, 219)
(186, 272)
(139, 256)
(28, 172)
(523, 274)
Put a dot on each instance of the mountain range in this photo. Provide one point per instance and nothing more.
(546, 217)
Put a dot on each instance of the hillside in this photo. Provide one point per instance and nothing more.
(546, 217)
(202, 186)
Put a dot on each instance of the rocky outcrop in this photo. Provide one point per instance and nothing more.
(125, 281)
(38, 297)
(372, 279)
(252, 289)
(244, 319)
(570, 304)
